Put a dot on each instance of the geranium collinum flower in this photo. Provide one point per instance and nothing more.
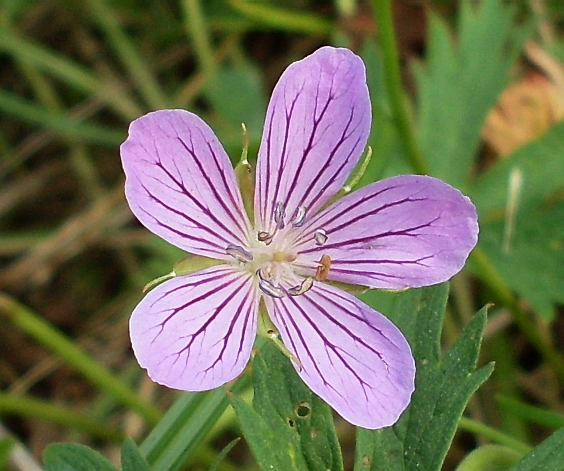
(195, 332)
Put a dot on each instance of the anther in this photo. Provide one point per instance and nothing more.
(268, 288)
(279, 215)
(300, 217)
(239, 253)
(302, 288)
(265, 237)
(323, 268)
(320, 236)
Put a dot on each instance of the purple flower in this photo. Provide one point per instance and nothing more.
(195, 332)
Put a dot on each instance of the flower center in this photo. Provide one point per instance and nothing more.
(270, 259)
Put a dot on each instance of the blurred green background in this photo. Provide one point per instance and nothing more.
(482, 109)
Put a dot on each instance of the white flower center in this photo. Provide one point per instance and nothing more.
(270, 258)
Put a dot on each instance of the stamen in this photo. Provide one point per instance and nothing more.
(268, 288)
(323, 268)
(320, 236)
(265, 237)
(302, 288)
(300, 217)
(279, 215)
(264, 275)
(239, 253)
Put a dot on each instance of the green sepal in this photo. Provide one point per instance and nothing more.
(193, 263)
(246, 178)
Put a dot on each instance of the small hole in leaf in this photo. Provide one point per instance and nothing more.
(291, 422)
(303, 410)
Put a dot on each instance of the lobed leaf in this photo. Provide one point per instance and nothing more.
(443, 388)
(461, 82)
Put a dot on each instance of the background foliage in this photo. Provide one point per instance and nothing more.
(472, 92)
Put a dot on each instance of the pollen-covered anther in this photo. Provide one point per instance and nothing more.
(239, 253)
(267, 287)
(300, 217)
(279, 215)
(302, 288)
(265, 237)
(323, 268)
(320, 236)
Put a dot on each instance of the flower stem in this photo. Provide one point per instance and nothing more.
(384, 20)
(51, 338)
(492, 434)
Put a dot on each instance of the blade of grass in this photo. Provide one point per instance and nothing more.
(129, 55)
(283, 19)
(494, 435)
(530, 413)
(72, 74)
(181, 431)
(59, 123)
(43, 410)
(196, 27)
(43, 332)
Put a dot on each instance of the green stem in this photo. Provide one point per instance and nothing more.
(51, 338)
(384, 20)
(494, 435)
(38, 409)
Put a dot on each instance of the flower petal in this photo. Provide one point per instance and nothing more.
(181, 185)
(351, 356)
(316, 128)
(402, 232)
(196, 332)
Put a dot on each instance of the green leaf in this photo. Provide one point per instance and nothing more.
(132, 459)
(185, 425)
(237, 95)
(6, 446)
(536, 238)
(461, 82)
(443, 387)
(74, 457)
(223, 454)
(288, 426)
(548, 456)
(490, 458)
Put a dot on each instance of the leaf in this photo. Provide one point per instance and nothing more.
(6, 447)
(237, 95)
(185, 425)
(443, 387)
(490, 458)
(461, 82)
(132, 459)
(288, 426)
(223, 453)
(74, 457)
(548, 456)
(536, 238)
